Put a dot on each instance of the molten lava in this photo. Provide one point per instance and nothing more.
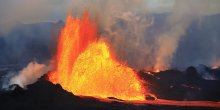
(85, 66)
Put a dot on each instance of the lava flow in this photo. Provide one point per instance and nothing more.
(85, 66)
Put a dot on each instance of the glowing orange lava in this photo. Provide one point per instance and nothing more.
(85, 66)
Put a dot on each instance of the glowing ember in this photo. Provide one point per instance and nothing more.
(155, 70)
(216, 64)
(86, 67)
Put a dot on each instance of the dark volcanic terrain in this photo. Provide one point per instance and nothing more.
(43, 95)
(188, 85)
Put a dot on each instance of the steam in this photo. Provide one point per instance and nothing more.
(128, 25)
(29, 74)
(180, 18)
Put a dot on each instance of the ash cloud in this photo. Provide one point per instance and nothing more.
(138, 36)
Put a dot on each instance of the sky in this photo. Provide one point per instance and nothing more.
(27, 11)
(166, 5)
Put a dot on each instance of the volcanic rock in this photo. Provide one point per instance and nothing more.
(44, 95)
(177, 85)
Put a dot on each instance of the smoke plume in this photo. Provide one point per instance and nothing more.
(138, 36)
(127, 27)
(29, 74)
(177, 23)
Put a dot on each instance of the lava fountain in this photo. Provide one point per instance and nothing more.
(85, 66)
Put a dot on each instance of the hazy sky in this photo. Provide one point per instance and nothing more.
(46, 10)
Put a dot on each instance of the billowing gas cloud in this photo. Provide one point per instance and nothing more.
(177, 22)
(127, 27)
(29, 74)
(137, 35)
